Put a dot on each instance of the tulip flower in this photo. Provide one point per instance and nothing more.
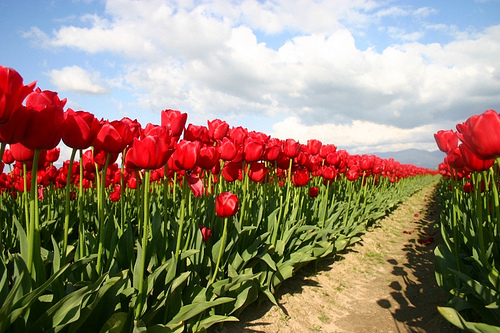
(217, 129)
(481, 134)
(472, 162)
(238, 135)
(185, 156)
(314, 146)
(196, 133)
(227, 149)
(150, 152)
(257, 172)
(79, 129)
(446, 140)
(12, 92)
(205, 233)
(313, 192)
(226, 204)
(175, 120)
(301, 177)
(46, 117)
(253, 150)
(208, 157)
(112, 137)
(7, 157)
(291, 148)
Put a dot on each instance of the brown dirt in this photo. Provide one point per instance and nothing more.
(385, 283)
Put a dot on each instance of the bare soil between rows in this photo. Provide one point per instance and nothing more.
(385, 283)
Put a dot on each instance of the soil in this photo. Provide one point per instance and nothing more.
(385, 283)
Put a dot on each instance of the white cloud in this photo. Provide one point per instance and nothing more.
(76, 79)
(206, 58)
(359, 136)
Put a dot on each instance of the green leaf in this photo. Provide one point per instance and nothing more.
(190, 310)
(205, 323)
(117, 323)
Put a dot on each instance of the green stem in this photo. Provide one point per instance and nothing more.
(100, 213)
(141, 292)
(182, 217)
(67, 207)
(221, 251)
(34, 225)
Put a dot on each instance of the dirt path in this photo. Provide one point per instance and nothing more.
(383, 284)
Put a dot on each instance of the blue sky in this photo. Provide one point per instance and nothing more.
(366, 75)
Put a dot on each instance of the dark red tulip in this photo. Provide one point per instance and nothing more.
(205, 233)
(272, 149)
(217, 129)
(353, 173)
(208, 157)
(12, 92)
(481, 134)
(134, 126)
(150, 152)
(313, 192)
(327, 149)
(454, 158)
(112, 137)
(79, 129)
(226, 204)
(14, 130)
(175, 120)
(446, 140)
(46, 118)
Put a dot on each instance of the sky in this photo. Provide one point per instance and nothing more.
(366, 75)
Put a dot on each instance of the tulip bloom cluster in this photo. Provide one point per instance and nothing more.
(470, 222)
(154, 219)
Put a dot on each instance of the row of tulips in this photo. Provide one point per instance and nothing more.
(467, 262)
(193, 225)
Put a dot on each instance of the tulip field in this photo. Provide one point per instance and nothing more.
(175, 228)
(467, 263)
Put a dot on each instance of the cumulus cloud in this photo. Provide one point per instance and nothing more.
(208, 58)
(77, 79)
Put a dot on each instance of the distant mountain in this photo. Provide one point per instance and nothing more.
(421, 158)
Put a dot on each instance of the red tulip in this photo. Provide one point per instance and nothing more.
(7, 157)
(21, 153)
(196, 133)
(226, 204)
(454, 158)
(257, 172)
(313, 192)
(291, 148)
(481, 134)
(175, 120)
(472, 162)
(353, 173)
(231, 171)
(150, 152)
(12, 92)
(227, 149)
(238, 135)
(13, 130)
(314, 146)
(134, 126)
(52, 155)
(205, 233)
(208, 157)
(300, 177)
(44, 127)
(253, 150)
(112, 137)
(327, 149)
(186, 154)
(446, 140)
(79, 129)
(272, 149)
(217, 129)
